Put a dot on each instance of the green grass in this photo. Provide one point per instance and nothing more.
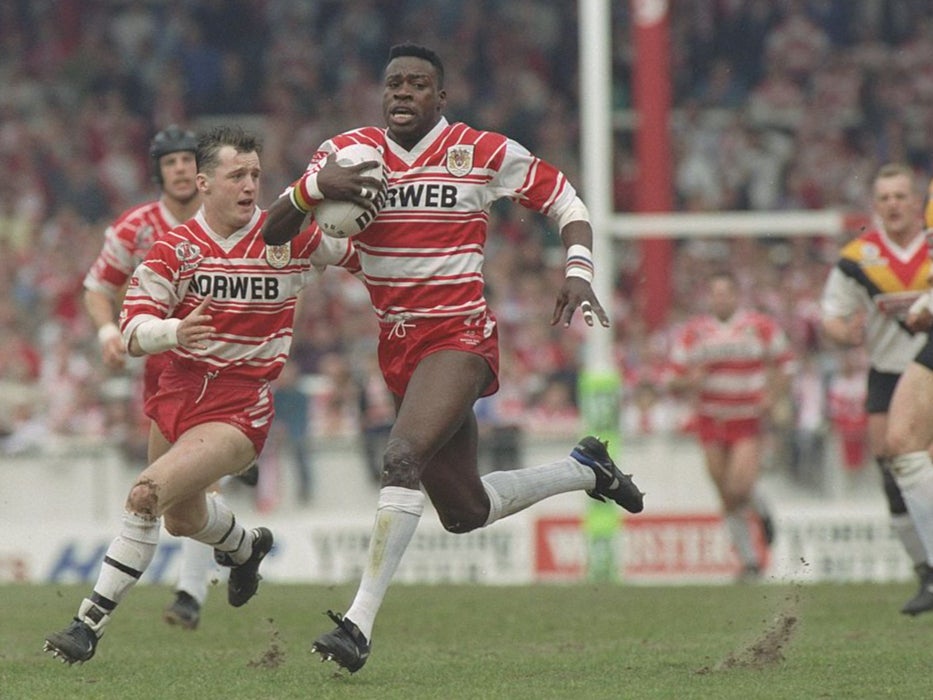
(450, 642)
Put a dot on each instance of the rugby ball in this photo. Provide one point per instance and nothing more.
(340, 219)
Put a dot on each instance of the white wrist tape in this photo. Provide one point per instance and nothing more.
(157, 335)
(108, 332)
(305, 193)
(579, 263)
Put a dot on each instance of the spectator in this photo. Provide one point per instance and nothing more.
(843, 83)
(377, 413)
(846, 396)
(291, 427)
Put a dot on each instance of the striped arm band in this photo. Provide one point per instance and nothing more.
(579, 263)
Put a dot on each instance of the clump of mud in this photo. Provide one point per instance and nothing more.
(273, 656)
(767, 649)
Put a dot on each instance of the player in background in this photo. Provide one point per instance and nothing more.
(422, 260)
(909, 435)
(221, 304)
(865, 300)
(126, 242)
(736, 363)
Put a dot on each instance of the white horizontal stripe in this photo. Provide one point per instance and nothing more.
(422, 268)
(393, 313)
(728, 383)
(267, 309)
(397, 216)
(423, 283)
(371, 250)
(729, 411)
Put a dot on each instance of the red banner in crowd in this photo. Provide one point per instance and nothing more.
(651, 87)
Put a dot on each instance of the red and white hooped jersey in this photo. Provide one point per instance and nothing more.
(845, 399)
(423, 253)
(126, 243)
(253, 289)
(736, 356)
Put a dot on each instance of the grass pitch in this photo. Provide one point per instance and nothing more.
(448, 642)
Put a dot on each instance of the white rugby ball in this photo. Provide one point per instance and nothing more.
(340, 219)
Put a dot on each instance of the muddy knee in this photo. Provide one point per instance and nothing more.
(401, 466)
(143, 498)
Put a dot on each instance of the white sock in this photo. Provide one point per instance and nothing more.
(914, 475)
(515, 490)
(223, 533)
(125, 561)
(197, 564)
(739, 532)
(397, 517)
(906, 532)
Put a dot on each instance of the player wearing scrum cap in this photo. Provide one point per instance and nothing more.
(422, 260)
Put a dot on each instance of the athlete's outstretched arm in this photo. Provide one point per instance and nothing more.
(577, 288)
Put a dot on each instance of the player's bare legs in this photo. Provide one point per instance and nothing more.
(426, 419)
(717, 463)
(173, 486)
(437, 430)
(901, 521)
(742, 472)
(197, 460)
(909, 434)
(434, 444)
(910, 418)
(734, 470)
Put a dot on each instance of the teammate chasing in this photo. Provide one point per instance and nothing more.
(126, 242)
(221, 304)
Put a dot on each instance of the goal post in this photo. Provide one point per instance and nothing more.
(596, 147)
(731, 224)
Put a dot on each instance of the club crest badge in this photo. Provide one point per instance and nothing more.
(189, 257)
(459, 160)
(278, 256)
(187, 252)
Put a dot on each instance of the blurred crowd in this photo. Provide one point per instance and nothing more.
(779, 104)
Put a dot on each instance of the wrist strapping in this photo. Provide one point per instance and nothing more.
(305, 194)
(157, 335)
(579, 263)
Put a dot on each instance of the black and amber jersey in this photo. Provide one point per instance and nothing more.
(882, 279)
